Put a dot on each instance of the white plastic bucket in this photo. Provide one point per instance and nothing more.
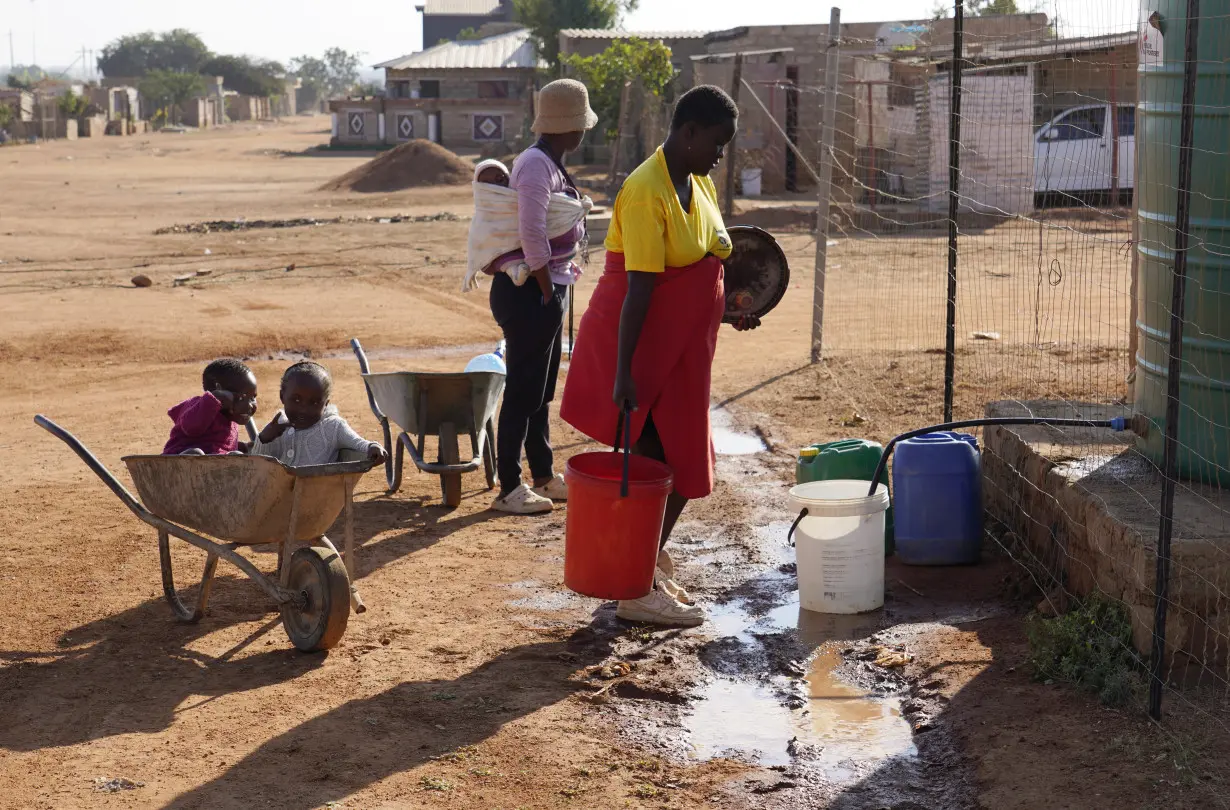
(839, 545)
(751, 182)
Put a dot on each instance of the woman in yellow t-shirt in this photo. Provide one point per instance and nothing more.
(647, 339)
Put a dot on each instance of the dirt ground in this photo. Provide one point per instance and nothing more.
(466, 683)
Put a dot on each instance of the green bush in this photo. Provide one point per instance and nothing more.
(1090, 647)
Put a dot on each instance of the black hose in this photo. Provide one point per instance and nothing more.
(1119, 423)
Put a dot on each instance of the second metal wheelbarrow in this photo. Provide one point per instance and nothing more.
(244, 501)
(446, 405)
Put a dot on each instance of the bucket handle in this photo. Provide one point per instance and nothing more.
(795, 525)
(623, 435)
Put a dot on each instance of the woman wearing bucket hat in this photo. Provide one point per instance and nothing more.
(647, 339)
(532, 315)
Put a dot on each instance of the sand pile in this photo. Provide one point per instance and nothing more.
(414, 164)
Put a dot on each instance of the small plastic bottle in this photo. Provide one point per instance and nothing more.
(492, 362)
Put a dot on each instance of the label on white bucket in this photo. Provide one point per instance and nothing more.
(840, 563)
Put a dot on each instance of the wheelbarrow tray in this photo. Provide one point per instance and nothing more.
(245, 500)
(420, 402)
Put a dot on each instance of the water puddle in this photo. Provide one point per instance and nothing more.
(856, 730)
(836, 728)
(729, 442)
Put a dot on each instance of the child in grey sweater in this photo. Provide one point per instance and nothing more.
(308, 430)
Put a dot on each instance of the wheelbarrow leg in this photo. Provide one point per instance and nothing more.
(356, 601)
(284, 554)
(168, 582)
(450, 453)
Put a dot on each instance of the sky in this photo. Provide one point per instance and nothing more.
(57, 30)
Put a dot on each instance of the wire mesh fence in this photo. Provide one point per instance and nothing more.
(1054, 203)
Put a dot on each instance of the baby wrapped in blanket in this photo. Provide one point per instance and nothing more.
(495, 238)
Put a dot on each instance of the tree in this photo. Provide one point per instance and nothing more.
(73, 106)
(179, 51)
(468, 35)
(248, 76)
(649, 63)
(24, 77)
(979, 8)
(546, 18)
(332, 75)
(171, 90)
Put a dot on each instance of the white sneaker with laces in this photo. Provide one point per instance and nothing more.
(522, 501)
(660, 608)
(554, 490)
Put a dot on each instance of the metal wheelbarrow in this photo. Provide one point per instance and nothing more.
(444, 405)
(245, 501)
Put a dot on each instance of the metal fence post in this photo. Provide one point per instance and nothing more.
(954, 185)
(824, 189)
(1178, 296)
(732, 151)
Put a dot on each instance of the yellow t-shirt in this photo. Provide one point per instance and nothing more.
(652, 230)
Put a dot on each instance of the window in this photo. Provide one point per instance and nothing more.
(399, 89)
(1080, 125)
(1127, 122)
(493, 89)
(429, 88)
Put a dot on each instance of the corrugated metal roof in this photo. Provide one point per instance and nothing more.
(1055, 47)
(506, 51)
(620, 33)
(475, 8)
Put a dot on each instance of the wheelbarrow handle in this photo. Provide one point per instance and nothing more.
(94, 464)
(392, 467)
(365, 368)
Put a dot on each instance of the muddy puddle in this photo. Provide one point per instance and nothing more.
(773, 709)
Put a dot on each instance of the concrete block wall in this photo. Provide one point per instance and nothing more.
(997, 148)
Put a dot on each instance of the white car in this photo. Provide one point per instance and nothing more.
(1074, 154)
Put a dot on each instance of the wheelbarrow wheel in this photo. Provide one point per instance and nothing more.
(318, 576)
(489, 455)
(450, 483)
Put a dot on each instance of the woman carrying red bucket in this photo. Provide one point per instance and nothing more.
(645, 347)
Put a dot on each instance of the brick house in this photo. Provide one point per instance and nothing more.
(444, 20)
(467, 96)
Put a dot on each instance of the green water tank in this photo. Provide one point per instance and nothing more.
(1204, 420)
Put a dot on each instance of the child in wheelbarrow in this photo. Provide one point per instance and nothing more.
(309, 430)
(208, 425)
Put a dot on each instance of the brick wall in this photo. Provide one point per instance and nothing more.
(997, 146)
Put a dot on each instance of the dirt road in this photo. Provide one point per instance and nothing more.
(467, 684)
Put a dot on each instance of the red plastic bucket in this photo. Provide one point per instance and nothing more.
(611, 541)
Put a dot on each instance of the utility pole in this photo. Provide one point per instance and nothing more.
(12, 55)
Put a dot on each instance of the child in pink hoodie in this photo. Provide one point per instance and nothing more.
(208, 425)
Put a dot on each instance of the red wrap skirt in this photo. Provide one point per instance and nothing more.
(672, 367)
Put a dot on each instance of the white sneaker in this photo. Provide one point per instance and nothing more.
(522, 501)
(554, 490)
(660, 608)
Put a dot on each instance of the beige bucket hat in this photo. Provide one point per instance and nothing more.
(563, 106)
